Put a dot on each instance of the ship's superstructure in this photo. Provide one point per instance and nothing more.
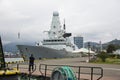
(58, 38)
(57, 45)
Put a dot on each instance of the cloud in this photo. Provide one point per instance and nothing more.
(95, 19)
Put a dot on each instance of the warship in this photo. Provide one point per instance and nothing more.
(57, 45)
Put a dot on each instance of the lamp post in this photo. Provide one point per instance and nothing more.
(88, 51)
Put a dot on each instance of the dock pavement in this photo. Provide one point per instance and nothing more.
(110, 71)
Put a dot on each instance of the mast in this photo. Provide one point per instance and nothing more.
(64, 26)
(2, 59)
(55, 30)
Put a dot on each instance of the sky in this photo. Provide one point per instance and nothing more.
(95, 20)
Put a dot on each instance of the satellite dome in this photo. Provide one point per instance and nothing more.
(55, 13)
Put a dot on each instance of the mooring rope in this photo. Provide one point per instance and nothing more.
(63, 73)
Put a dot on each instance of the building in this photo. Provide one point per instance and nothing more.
(78, 41)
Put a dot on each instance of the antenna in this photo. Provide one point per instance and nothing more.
(64, 27)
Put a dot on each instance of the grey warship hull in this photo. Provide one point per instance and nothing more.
(57, 45)
(43, 52)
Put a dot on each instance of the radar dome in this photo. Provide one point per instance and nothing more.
(55, 13)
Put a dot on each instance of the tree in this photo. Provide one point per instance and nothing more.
(111, 48)
(103, 56)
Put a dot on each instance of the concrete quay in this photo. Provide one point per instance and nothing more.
(110, 71)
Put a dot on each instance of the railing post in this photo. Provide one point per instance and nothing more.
(45, 71)
(91, 73)
(40, 70)
(101, 74)
(79, 73)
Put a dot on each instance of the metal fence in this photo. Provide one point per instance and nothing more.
(94, 73)
(81, 72)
